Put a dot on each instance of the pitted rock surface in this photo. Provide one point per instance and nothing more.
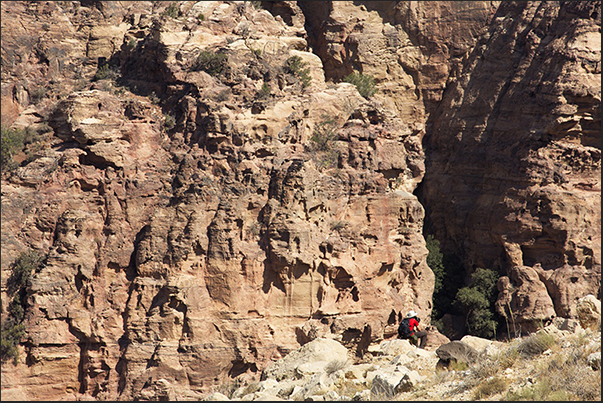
(198, 227)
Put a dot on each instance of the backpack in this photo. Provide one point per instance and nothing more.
(404, 331)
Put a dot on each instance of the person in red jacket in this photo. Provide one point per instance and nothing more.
(415, 329)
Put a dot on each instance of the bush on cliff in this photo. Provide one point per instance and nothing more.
(211, 62)
(12, 327)
(296, 66)
(12, 143)
(365, 84)
(322, 143)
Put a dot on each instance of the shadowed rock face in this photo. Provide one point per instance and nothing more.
(198, 227)
(513, 158)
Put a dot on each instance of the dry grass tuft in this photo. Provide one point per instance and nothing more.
(335, 366)
(536, 344)
(489, 387)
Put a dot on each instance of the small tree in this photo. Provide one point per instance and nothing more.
(264, 93)
(169, 122)
(296, 66)
(477, 300)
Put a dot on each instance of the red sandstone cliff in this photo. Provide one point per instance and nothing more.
(201, 250)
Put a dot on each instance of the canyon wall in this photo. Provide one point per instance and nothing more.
(513, 159)
(196, 227)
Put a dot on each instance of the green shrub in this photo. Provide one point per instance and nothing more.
(264, 93)
(296, 66)
(322, 143)
(257, 5)
(106, 72)
(365, 84)
(323, 135)
(200, 17)
(210, 62)
(21, 270)
(169, 122)
(477, 302)
(435, 261)
(12, 332)
(171, 10)
(11, 143)
(449, 275)
(12, 327)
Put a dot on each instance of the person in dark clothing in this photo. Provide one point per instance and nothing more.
(415, 330)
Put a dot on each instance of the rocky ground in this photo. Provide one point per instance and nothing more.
(551, 364)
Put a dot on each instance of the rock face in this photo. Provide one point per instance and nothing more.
(201, 219)
(513, 159)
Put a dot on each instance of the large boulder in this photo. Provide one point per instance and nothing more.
(489, 347)
(588, 310)
(455, 352)
(318, 350)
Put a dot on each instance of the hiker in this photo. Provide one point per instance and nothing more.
(409, 329)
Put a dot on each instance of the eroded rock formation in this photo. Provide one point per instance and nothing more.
(513, 177)
(198, 226)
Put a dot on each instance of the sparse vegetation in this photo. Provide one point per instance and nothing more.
(16, 284)
(296, 66)
(264, 93)
(365, 84)
(322, 143)
(212, 63)
(106, 72)
(12, 143)
(171, 11)
(334, 366)
(223, 95)
(520, 371)
(200, 17)
(324, 134)
(169, 122)
(489, 387)
(154, 98)
(535, 344)
(37, 95)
